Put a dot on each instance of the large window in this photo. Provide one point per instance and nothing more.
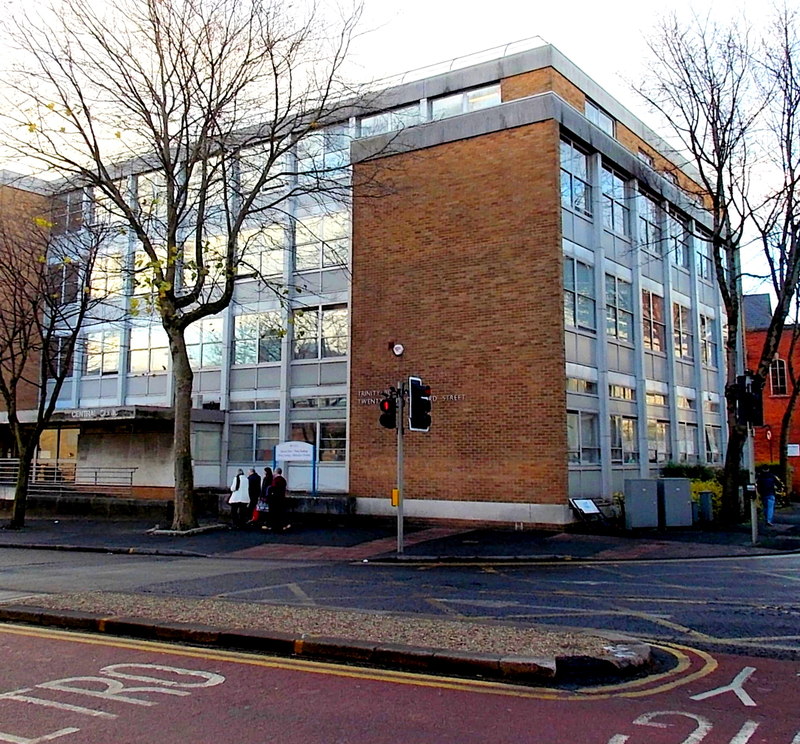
(678, 242)
(149, 349)
(615, 203)
(107, 275)
(329, 438)
(624, 439)
(687, 442)
(249, 443)
(262, 251)
(465, 101)
(252, 162)
(257, 338)
(323, 155)
(576, 193)
(583, 438)
(777, 377)
(649, 225)
(66, 212)
(206, 445)
(102, 353)
(658, 447)
(579, 305)
(682, 332)
(653, 322)
(63, 280)
(390, 121)
(597, 116)
(713, 444)
(619, 308)
(320, 332)
(708, 341)
(705, 266)
(59, 357)
(204, 343)
(583, 387)
(322, 241)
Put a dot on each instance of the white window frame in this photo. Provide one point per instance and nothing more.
(619, 309)
(682, 332)
(652, 328)
(575, 181)
(599, 117)
(778, 379)
(580, 452)
(579, 295)
(624, 439)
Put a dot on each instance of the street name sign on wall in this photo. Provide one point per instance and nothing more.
(294, 452)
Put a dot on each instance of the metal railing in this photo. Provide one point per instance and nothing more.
(65, 477)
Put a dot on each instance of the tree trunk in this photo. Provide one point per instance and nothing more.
(184, 517)
(783, 439)
(21, 491)
(730, 511)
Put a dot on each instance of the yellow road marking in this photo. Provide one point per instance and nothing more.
(624, 689)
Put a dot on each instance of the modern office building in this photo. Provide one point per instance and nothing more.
(537, 251)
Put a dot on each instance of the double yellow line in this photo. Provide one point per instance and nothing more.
(680, 675)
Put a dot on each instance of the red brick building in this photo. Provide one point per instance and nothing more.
(775, 397)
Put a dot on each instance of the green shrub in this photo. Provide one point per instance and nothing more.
(693, 472)
(698, 486)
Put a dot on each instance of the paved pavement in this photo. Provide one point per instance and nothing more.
(374, 540)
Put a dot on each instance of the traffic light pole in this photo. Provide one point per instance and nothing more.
(401, 405)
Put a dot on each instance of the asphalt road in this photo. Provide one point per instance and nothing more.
(743, 606)
(83, 689)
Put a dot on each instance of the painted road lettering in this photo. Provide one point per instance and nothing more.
(158, 678)
(702, 728)
(736, 687)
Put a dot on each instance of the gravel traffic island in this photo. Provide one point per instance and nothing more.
(492, 649)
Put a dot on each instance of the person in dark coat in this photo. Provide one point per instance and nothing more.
(260, 517)
(768, 484)
(253, 490)
(266, 484)
(277, 503)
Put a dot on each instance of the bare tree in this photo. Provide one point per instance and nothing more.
(219, 112)
(727, 110)
(46, 289)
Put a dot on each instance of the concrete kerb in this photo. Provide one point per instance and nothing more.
(623, 657)
(116, 550)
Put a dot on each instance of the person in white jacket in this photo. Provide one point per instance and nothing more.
(239, 500)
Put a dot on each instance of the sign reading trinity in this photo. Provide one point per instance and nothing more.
(294, 451)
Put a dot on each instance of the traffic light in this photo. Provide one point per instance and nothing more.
(749, 400)
(388, 417)
(419, 405)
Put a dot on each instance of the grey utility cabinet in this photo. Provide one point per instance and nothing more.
(675, 502)
(641, 503)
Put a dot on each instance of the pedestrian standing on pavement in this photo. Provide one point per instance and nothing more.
(239, 500)
(260, 517)
(253, 492)
(767, 484)
(277, 503)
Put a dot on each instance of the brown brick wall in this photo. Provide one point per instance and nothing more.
(21, 242)
(462, 264)
(540, 81)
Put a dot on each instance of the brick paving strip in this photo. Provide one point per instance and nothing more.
(492, 650)
(358, 552)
